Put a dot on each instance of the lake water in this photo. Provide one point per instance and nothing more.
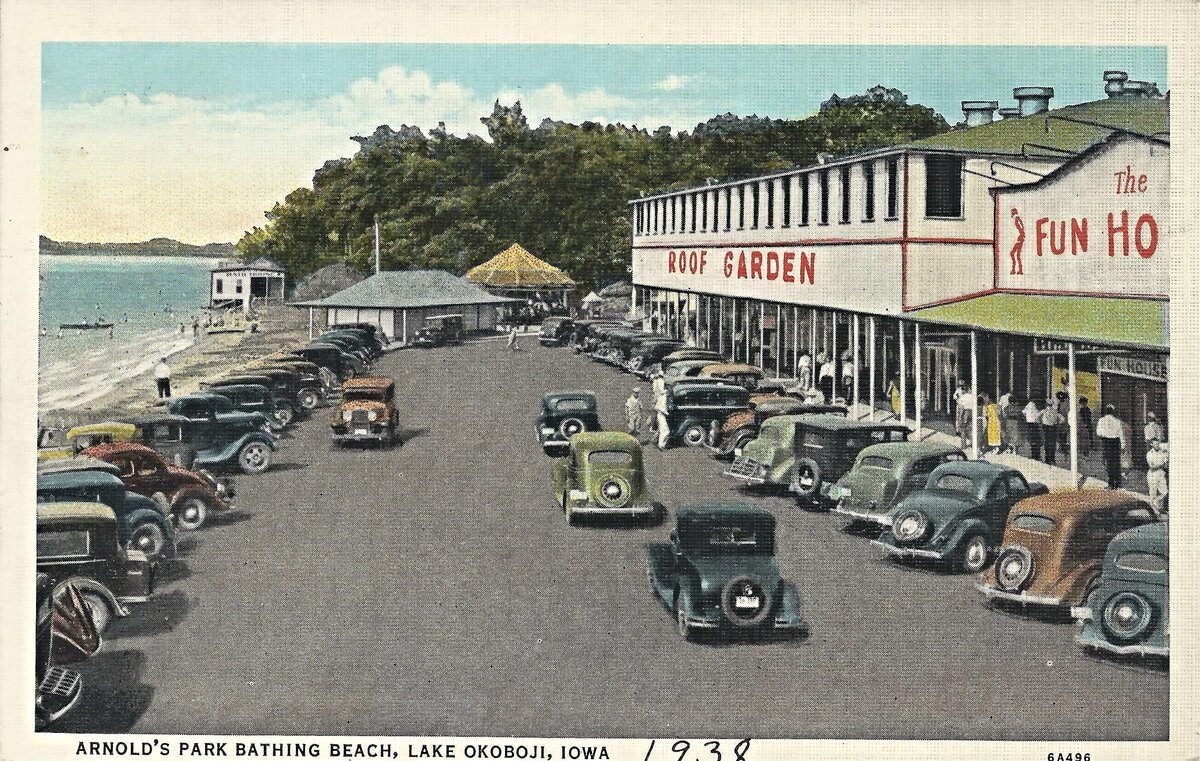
(146, 299)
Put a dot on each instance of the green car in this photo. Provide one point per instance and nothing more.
(719, 573)
(601, 475)
(884, 474)
(1127, 614)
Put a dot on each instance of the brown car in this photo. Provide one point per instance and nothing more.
(191, 496)
(367, 411)
(746, 376)
(1053, 545)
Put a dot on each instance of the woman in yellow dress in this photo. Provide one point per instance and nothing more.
(991, 412)
(893, 392)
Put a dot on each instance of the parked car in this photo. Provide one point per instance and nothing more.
(808, 453)
(142, 523)
(1127, 612)
(747, 376)
(688, 354)
(223, 437)
(440, 330)
(601, 475)
(371, 333)
(167, 435)
(367, 411)
(884, 474)
(687, 368)
(52, 443)
(84, 436)
(64, 633)
(583, 336)
(351, 343)
(564, 414)
(190, 496)
(729, 436)
(1053, 545)
(306, 387)
(693, 406)
(959, 515)
(77, 542)
(620, 346)
(719, 572)
(254, 397)
(333, 358)
(285, 407)
(648, 355)
(556, 331)
(368, 341)
(327, 379)
(75, 464)
(600, 339)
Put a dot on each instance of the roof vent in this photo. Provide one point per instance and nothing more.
(979, 111)
(1033, 100)
(1009, 112)
(1136, 88)
(1114, 83)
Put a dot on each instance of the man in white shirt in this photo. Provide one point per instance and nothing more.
(825, 378)
(966, 416)
(1033, 429)
(1156, 473)
(162, 376)
(633, 414)
(660, 408)
(1153, 429)
(1050, 418)
(959, 394)
(1112, 440)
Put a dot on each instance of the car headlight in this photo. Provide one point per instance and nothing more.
(1127, 616)
(612, 491)
(372, 415)
(1014, 567)
(346, 415)
(910, 526)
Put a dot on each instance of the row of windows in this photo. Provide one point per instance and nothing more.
(713, 210)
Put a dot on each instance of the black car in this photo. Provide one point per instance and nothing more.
(333, 358)
(564, 414)
(583, 337)
(826, 447)
(692, 407)
(556, 331)
(286, 406)
(649, 354)
(65, 632)
(254, 397)
(440, 330)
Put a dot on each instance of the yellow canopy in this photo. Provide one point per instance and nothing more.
(517, 268)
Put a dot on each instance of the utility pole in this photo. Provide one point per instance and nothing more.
(377, 244)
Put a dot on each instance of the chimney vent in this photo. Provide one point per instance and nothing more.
(1136, 88)
(1114, 83)
(1033, 100)
(1009, 112)
(979, 111)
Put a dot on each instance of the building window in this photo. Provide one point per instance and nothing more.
(729, 208)
(716, 196)
(693, 205)
(823, 182)
(704, 211)
(237, 285)
(741, 207)
(787, 202)
(943, 186)
(675, 223)
(893, 189)
(803, 200)
(844, 181)
(220, 285)
(754, 209)
(770, 203)
(869, 191)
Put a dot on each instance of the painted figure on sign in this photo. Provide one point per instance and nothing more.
(1014, 256)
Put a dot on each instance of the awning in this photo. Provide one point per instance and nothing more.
(1140, 323)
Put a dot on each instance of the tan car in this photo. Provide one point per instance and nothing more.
(1054, 543)
(367, 411)
(746, 376)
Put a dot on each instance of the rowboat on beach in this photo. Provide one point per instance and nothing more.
(85, 325)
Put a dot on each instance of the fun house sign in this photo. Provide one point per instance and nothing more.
(1097, 226)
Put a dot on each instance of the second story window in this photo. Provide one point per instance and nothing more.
(804, 200)
(943, 186)
(823, 183)
(787, 202)
(869, 191)
(770, 203)
(844, 181)
(893, 188)
(754, 209)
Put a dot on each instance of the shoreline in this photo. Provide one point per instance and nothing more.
(279, 327)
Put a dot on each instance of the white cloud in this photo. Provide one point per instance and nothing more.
(672, 82)
(132, 168)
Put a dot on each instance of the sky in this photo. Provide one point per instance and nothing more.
(196, 141)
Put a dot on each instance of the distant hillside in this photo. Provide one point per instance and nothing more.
(153, 247)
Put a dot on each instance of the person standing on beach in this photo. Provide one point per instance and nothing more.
(162, 376)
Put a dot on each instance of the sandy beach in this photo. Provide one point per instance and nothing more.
(278, 327)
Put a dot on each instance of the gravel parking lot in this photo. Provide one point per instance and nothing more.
(435, 588)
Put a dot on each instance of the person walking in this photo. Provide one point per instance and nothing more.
(1087, 434)
(1156, 473)
(1110, 431)
(162, 376)
(1008, 423)
(1152, 430)
(633, 414)
(1033, 429)
(512, 339)
(1050, 419)
(660, 410)
(1064, 416)
(966, 405)
(804, 373)
(825, 378)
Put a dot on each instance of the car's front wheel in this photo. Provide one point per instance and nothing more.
(254, 457)
(807, 481)
(973, 557)
(283, 416)
(149, 538)
(308, 398)
(191, 513)
(694, 435)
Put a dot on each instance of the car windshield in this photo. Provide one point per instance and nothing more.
(362, 395)
(1031, 522)
(64, 544)
(875, 461)
(610, 457)
(955, 482)
(732, 540)
(572, 405)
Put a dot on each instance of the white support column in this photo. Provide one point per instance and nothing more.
(778, 336)
(1073, 414)
(917, 387)
(996, 342)
(721, 325)
(903, 374)
(707, 322)
(796, 342)
(835, 358)
(404, 326)
(975, 397)
(812, 346)
(311, 317)
(871, 382)
(762, 334)
(857, 367)
(747, 331)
